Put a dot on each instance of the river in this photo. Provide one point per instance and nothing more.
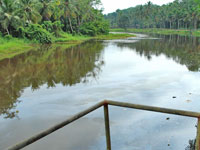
(47, 85)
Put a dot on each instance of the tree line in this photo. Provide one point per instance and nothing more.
(180, 14)
(39, 19)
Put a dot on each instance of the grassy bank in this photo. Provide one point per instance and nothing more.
(162, 31)
(113, 36)
(70, 38)
(10, 47)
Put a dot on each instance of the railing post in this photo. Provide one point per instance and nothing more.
(197, 145)
(107, 126)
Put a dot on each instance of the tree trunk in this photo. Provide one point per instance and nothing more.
(70, 23)
(7, 31)
(195, 23)
(170, 25)
(79, 23)
(178, 24)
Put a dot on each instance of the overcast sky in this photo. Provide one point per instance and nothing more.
(113, 5)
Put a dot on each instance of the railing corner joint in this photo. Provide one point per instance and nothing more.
(105, 102)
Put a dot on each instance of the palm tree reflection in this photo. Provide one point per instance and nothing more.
(49, 65)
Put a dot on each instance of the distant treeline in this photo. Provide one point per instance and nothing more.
(41, 19)
(176, 15)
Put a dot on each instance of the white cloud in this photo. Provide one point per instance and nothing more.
(113, 5)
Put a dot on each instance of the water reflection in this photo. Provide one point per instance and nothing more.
(126, 75)
(182, 49)
(191, 145)
(49, 65)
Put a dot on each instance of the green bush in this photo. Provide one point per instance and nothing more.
(8, 37)
(35, 32)
(55, 27)
(88, 29)
(21, 32)
(48, 25)
(94, 28)
(103, 27)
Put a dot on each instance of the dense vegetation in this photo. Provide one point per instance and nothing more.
(44, 20)
(176, 15)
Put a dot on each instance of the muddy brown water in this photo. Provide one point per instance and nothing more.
(43, 87)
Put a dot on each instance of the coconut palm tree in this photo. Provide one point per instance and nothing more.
(69, 14)
(8, 16)
(28, 10)
(47, 9)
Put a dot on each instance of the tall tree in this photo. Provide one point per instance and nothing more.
(28, 10)
(8, 16)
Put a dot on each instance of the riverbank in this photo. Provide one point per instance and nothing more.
(10, 46)
(182, 32)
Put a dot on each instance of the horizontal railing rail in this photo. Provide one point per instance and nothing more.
(105, 104)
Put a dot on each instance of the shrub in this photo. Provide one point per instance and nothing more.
(88, 29)
(35, 32)
(55, 27)
(21, 32)
(48, 26)
(103, 27)
(8, 37)
(95, 28)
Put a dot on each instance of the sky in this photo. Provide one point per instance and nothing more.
(113, 5)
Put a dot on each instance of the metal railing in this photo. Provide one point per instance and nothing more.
(105, 104)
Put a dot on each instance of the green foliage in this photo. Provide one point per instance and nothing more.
(8, 37)
(55, 27)
(48, 25)
(10, 46)
(39, 20)
(103, 27)
(95, 28)
(88, 29)
(180, 14)
(8, 17)
(65, 37)
(198, 3)
(36, 32)
(123, 21)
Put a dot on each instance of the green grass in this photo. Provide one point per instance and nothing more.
(10, 47)
(161, 31)
(69, 38)
(112, 36)
(13, 46)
